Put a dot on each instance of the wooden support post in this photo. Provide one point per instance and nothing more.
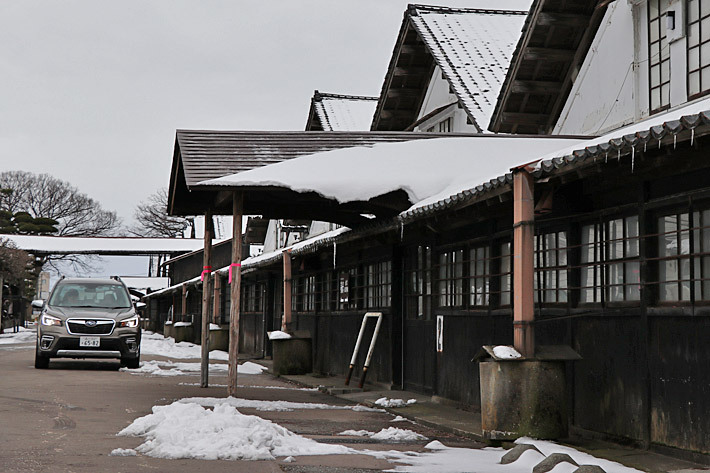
(206, 272)
(523, 267)
(286, 321)
(216, 299)
(236, 283)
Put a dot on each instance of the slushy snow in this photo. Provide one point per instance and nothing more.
(23, 336)
(279, 335)
(155, 368)
(281, 406)
(384, 402)
(388, 434)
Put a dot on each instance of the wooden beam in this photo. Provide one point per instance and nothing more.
(411, 49)
(548, 54)
(216, 299)
(411, 70)
(206, 272)
(562, 19)
(404, 92)
(536, 87)
(518, 118)
(235, 291)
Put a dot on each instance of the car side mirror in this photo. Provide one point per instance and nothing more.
(141, 305)
(38, 304)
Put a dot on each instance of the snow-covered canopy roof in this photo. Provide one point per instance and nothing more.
(423, 170)
(58, 245)
(335, 112)
(473, 48)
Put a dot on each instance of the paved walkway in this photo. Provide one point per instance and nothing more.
(439, 414)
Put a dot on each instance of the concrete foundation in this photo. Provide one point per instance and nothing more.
(523, 398)
(182, 333)
(292, 356)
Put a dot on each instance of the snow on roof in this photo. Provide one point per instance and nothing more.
(344, 112)
(103, 245)
(658, 120)
(473, 48)
(425, 170)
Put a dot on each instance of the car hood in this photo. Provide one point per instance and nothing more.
(90, 312)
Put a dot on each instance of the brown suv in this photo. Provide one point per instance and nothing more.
(89, 318)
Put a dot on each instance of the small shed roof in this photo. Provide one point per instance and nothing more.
(204, 155)
(473, 48)
(555, 40)
(61, 245)
(336, 112)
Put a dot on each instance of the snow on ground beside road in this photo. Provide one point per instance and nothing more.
(123, 452)
(188, 430)
(384, 402)
(156, 344)
(400, 419)
(155, 368)
(390, 433)
(443, 459)
(23, 336)
(282, 406)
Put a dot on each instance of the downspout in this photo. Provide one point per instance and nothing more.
(523, 266)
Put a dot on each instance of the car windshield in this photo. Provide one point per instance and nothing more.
(86, 294)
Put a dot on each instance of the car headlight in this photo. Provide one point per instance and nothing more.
(50, 320)
(130, 323)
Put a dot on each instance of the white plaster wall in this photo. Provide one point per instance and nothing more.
(318, 228)
(437, 94)
(679, 56)
(271, 240)
(602, 97)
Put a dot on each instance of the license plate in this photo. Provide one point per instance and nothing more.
(89, 341)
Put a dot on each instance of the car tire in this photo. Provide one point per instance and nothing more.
(41, 361)
(131, 363)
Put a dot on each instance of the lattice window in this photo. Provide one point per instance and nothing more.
(378, 284)
(659, 56)
(418, 276)
(698, 34)
(450, 282)
(479, 276)
(551, 267)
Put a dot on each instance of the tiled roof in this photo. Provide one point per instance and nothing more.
(337, 112)
(473, 48)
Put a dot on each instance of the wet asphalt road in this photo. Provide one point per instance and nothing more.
(65, 419)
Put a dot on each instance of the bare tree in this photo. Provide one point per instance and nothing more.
(153, 220)
(15, 265)
(44, 196)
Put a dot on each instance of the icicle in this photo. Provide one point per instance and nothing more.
(633, 156)
(618, 153)
(692, 135)
(644, 146)
(401, 230)
(659, 143)
(606, 157)
(675, 140)
(335, 252)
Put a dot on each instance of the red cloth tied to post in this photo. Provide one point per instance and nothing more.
(205, 270)
(230, 270)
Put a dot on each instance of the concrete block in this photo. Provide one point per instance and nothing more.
(219, 339)
(552, 461)
(182, 333)
(523, 398)
(514, 453)
(292, 356)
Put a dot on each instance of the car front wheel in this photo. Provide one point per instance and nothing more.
(131, 363)
(41, 361)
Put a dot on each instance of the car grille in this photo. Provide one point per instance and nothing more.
(90, 326)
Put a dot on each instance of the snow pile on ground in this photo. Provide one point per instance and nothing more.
(23, 336)
(504, 352)
(156, 368)
(123, 452)
(384, 402)
(399, 419)
(188, 430)
(156, 344)
(390, 434)
(443, 459)
(280, 406)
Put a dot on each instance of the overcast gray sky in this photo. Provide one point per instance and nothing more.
(93, 91)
